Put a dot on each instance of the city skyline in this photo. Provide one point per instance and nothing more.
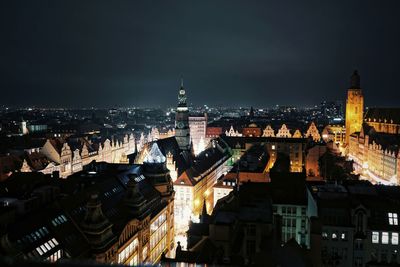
(68, 54)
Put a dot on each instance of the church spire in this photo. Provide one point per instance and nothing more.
(355, 80)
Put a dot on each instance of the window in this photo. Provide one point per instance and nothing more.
(385, 238)
(395, 238)
(375, 237)
(324, 235)
(343, 236)
(334, 236)
(393, 218)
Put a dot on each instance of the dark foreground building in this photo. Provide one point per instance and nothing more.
(109, 213)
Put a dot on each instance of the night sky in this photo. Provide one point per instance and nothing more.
(232, 53)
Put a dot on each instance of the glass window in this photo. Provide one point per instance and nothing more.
(343, 236)
(324, 235)
(393, 220)
(334, 236)
(395, 238)
(385, 238)
(375, 237)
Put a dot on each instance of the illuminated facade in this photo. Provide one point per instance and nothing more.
(252, 131)
(284, 132)
(313, 133)
(377, 163)
(376, 152)
(335, 133)
(297, 134)
(195, 185)
(68, 161)
(232, 132)
(293, 147)
(354, 107)
(224, 186)
(198, 126)
(268, 131)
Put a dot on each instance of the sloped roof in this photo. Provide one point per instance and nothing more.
(383, 114)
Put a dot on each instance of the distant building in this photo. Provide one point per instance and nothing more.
(213, 132)
(252, 130)
(295, 148)
(284, 132)
(198, 126)
(268, 131)
(24, 127)
(334, 133)
(232, 132)
(313, 133)
(70, 155)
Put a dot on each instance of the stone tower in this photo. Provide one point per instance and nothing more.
(354, 107)
(182, 131)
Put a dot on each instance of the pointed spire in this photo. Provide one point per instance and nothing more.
(204, 214)
(355, 80)
(181, 81)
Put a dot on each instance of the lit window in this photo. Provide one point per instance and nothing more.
(324, 235)
(39, 250)
(43, 248)
(385, 238)
(343, 236)
(334, 236)
(375, 237)
(47, 246)
(395, 238)
(273, 147)
(393, 218)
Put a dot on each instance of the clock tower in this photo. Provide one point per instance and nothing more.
(182, 131)
(354, 107)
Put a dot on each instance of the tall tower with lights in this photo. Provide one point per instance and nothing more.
(354, 106)
(182, 131)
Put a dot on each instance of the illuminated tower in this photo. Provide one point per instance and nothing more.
(182, 131)
(354, 107)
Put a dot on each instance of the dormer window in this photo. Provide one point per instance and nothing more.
(393, 220)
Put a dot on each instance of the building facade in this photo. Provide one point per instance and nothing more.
(198, 127)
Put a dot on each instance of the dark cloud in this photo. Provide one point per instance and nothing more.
(261, 53)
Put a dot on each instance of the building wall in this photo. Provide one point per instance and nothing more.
(221, 191)
(295, 223)
(337, 246)
(295, 151)
(372, 160)
(354, 112)
(198, 126)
